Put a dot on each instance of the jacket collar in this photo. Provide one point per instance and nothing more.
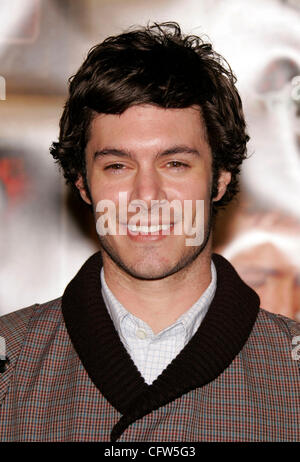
(220, 337)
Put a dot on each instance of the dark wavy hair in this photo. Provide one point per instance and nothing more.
(156, 65)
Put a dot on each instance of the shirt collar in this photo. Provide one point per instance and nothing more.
(115, 309)
(190, 320)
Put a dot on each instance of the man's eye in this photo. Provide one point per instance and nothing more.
(114, 167)
(177, 164)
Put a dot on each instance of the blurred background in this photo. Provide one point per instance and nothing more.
(46, 234)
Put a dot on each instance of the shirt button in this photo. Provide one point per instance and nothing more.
(141, 333)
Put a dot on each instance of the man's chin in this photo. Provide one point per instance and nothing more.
(146, 269)
(150, 266)
(149, 272)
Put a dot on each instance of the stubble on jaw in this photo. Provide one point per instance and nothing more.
(184, 262)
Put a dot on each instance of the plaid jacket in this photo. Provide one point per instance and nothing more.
(69, 378)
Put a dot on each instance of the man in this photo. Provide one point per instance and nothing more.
(155, 339)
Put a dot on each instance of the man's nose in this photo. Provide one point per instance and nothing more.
(148, 186)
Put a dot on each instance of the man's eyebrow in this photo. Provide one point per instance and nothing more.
(112, 152)
(182, 149)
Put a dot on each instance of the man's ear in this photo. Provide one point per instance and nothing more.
(224, 180)
(79, 183)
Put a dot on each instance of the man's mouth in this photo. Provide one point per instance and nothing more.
(149, 229)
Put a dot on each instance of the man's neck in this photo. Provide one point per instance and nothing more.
(161, 302)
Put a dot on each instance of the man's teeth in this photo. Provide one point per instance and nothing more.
(148, 229)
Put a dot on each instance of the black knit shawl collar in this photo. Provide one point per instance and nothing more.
(220, 337)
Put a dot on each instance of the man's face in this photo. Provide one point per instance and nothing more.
(151, 154)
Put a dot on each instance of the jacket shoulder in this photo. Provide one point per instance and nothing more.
(274, 340)
(13, 325)
(14, 328)
(277, 321)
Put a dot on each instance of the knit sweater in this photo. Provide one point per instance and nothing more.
(69, 377)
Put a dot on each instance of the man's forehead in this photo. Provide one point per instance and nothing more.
(148, 110)
(148, 129)
(147, 120)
